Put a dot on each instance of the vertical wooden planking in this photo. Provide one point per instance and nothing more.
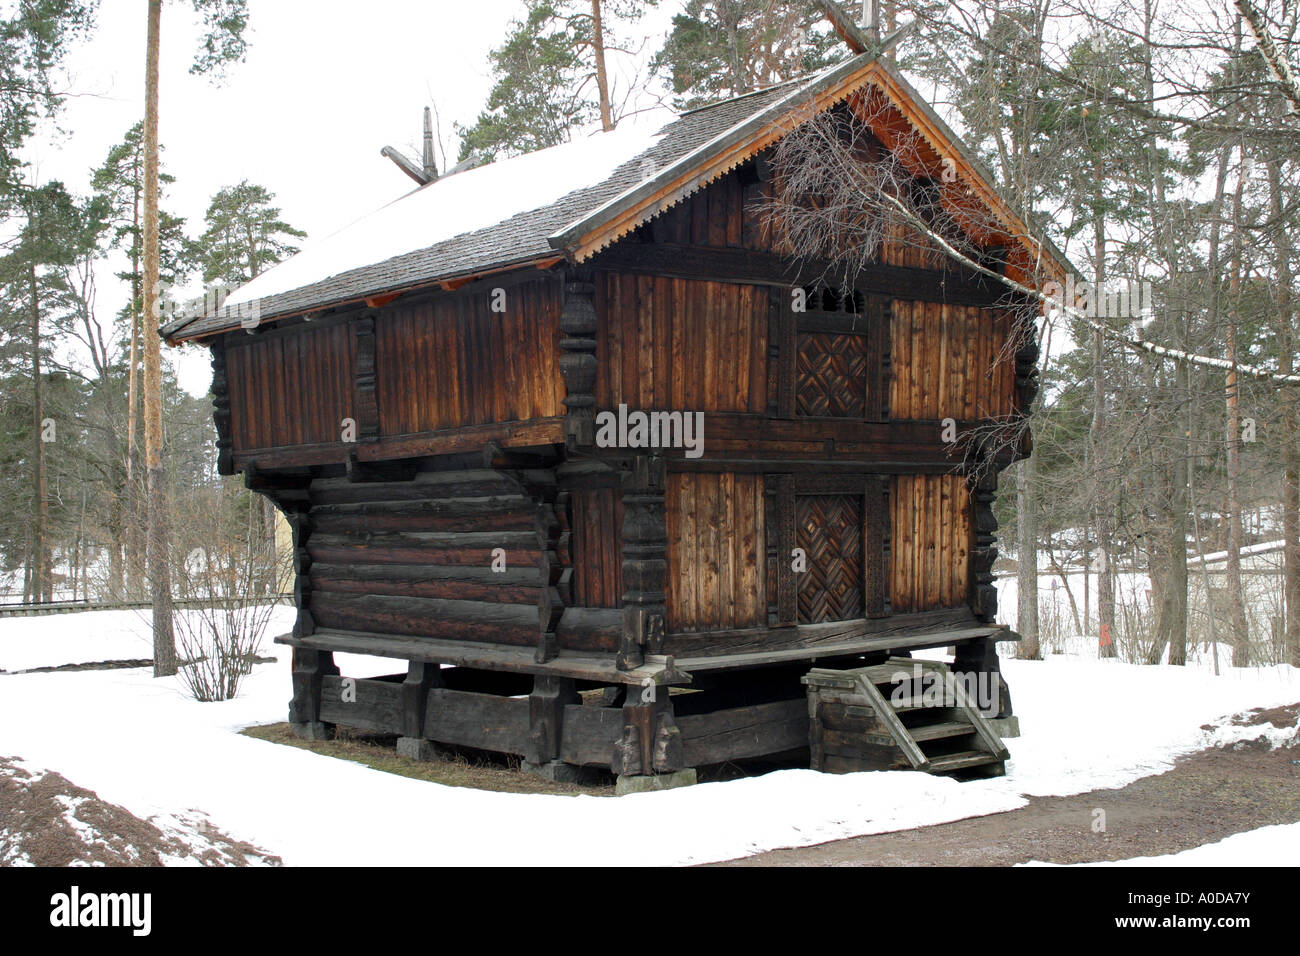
(942, 328)
(758, 351)
(689, 567)
(663, 364)
(756, 553)
(900, 394)
(717, 212)
(678, 560)
(648, 330)
(724, 542)
(713, 298)
(735, 209)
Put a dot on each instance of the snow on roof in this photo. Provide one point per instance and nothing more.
(454, 205)
(495, 216)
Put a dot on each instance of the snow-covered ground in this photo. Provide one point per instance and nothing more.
(1268, 846)
(143, 744)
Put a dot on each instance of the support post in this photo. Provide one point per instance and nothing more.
(649, 755)
(545, 724)
(979, 657)
(421, 677)
(983, 595)
(310, 667)
(645, 561)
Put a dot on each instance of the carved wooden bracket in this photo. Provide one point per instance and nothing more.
(645, 560)
(578, 322)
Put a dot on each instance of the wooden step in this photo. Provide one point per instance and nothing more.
(940, 731)
(962, 760)
(948, 728)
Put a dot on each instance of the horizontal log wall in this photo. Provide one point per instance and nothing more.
(290, 389)
(930, 542)
(451, 361)
(415, 559)
(717, 551)
(950, 361)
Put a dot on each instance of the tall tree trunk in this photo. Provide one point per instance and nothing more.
(1027, 561)
(602, 78)
(1171, 622)
(1236, 601)
(1097, 439)
(135, 512)
(42, 560)
(164, 641)
(1290, 436)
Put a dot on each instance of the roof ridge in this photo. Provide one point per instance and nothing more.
(762, 89)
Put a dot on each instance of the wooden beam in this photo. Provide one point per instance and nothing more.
(753, 267)
(406, 165)
(856, 38)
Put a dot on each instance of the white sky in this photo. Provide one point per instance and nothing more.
(326, 84)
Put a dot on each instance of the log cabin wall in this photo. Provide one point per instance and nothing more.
(595, 547)
(291, 388)
(700, 345)
(451, 361)
(717, 547)
(441, 362)
(675, 344)
(951, 361)
(931, 539)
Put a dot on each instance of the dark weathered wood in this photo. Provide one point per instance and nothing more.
(755, 267)
(578, 323)
(743, 733)
(310, 668)
(221, 407)
(547, 705)
(651, 741)
(600, 668)
(784, 529)
(484, 721)
(588, 734)
(984, 550)
(644, 561)
(421, 677)
(875, 573)
(370, 705)
(367, 403)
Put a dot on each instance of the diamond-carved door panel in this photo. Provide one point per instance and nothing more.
(829, 530)
(831, 375)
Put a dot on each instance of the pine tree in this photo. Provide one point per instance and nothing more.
(34, 36)
(55, 229)
(120, 183)
(721, 48)
(546, 70)
(226, 21)
(244, 235)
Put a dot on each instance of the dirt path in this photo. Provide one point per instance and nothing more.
(1204, 798)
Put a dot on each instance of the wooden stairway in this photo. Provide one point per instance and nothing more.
(860, 720)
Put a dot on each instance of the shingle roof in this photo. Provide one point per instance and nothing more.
(626, 187)
(519, 239)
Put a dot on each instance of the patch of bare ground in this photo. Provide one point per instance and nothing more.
(450, 766)
(1206, 797)
(46, 820)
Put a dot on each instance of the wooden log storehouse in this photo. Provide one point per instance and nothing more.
(443, 400)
